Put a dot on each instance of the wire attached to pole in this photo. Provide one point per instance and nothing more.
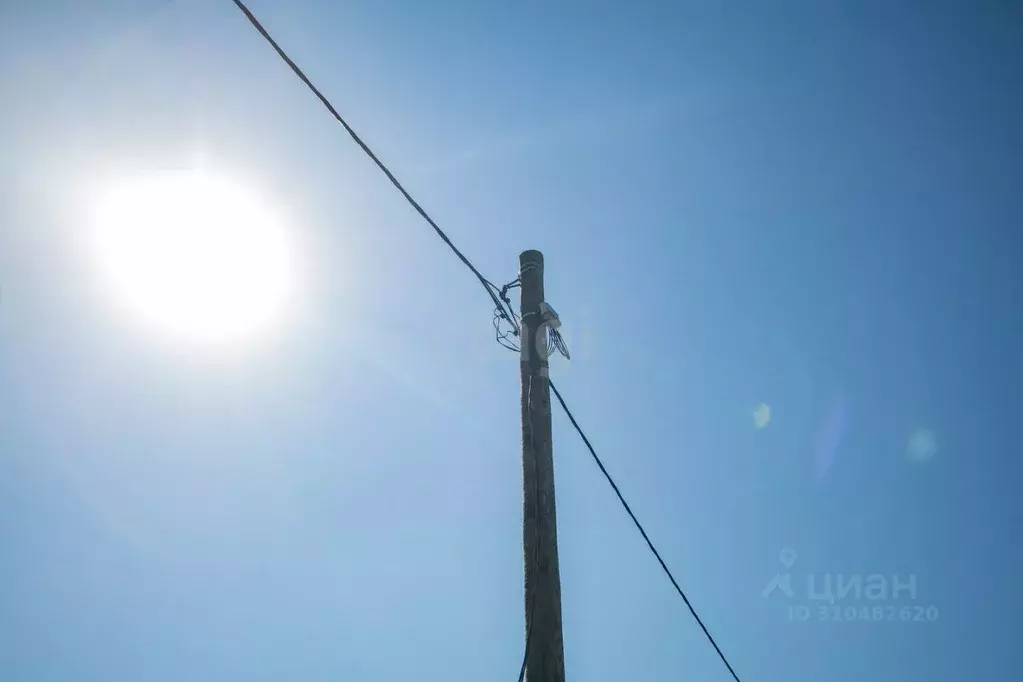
(502, 312)
(369, 152)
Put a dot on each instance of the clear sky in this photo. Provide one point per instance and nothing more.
(814, 206)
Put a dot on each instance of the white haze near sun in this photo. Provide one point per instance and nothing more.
(193, 255)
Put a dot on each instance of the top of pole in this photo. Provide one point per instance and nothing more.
(532, 296)
(533, 258)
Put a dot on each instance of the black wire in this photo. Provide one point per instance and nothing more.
(499, 314)
(502, 312)
(502, 337)
(642, 532)
(556, 342)
(369, 152)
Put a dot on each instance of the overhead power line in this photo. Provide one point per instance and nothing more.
(503, 312)
(639, 527)
(369, 152)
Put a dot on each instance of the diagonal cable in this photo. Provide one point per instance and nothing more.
(504, 312)
(369, 152)
(642, 531)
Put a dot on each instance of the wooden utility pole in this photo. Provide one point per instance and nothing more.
(545, 661)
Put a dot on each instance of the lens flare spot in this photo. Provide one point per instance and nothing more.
(923, 444)
(761, 415)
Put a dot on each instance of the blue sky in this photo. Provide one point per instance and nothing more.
(811, 205)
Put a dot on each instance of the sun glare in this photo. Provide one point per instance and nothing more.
(194, 255)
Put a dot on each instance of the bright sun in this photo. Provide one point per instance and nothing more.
(193, 255)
